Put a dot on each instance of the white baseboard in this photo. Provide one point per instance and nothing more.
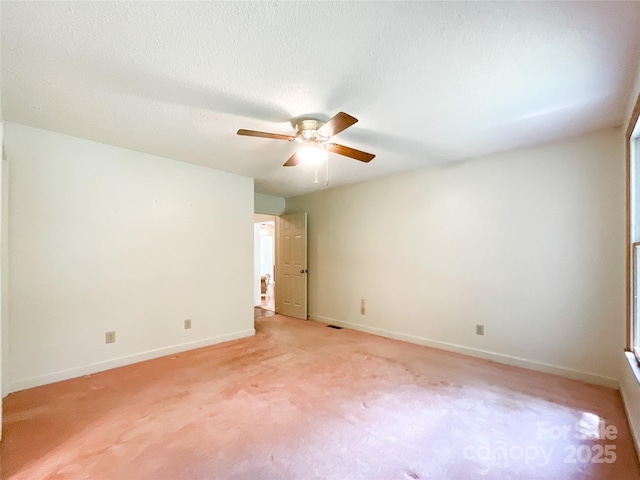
(476, 352)
(122, 361)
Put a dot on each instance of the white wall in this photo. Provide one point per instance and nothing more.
(4, 275)
(3, 317)
(256, 266)
(529, 243)
(269, 204)
(102, 238)
(267, 250)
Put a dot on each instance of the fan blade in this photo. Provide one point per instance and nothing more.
(337, 124)
(351, 153)
(275, 136)
(293, 160)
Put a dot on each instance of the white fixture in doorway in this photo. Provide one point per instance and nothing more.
(264, 259)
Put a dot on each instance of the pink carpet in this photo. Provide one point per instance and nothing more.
(303, 401)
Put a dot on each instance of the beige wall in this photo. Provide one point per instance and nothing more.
(268, 204)
(630, 383)
(102, 238)
(630, 390)
(635, 91)
(529, 243)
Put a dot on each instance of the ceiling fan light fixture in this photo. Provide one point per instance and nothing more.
(315, 135)
(312, 154)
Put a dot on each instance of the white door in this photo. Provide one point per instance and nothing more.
(291, 265)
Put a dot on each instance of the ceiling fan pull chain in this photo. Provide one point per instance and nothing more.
(326, 183)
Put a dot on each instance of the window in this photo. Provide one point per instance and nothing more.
(634, 334)
(633, 225)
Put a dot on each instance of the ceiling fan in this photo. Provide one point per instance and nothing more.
(315, 136)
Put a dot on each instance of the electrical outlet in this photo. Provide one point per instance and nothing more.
(187, 324)
(479, 329)
(110, 337)
(362, 307)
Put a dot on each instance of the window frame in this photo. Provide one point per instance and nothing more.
(633, 325)
(633, 331)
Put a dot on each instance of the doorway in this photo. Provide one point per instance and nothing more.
(264, 262)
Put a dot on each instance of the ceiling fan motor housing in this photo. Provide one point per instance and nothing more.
(307, 132)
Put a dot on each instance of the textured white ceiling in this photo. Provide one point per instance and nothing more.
(429, 82)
